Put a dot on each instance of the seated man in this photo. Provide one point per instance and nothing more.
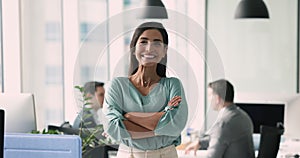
(231, 134)
(91, 117)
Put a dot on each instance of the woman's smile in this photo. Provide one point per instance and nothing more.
(148, 56)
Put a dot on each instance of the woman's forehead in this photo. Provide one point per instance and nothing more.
(151, 34)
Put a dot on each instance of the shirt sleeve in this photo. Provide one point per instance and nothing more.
(173, 121)
(217, 143)
(113, 112)
(204, 142)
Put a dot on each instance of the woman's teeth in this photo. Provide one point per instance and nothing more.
(148, 56)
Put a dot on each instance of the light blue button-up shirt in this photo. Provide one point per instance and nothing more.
(122, 96)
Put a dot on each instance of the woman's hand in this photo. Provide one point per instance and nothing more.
(174, 102)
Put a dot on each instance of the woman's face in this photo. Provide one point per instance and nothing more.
(150, 48)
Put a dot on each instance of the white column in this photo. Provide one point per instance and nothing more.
(71, 48)
(11, 46)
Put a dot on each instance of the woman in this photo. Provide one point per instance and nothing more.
(146, 111)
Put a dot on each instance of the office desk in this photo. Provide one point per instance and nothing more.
(200, 154)
(289, 148)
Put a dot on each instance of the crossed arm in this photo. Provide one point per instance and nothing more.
(142, 124)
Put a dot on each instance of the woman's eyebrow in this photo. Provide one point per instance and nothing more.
(145, 38)
(157, 40)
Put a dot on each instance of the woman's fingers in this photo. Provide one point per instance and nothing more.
(174, 101)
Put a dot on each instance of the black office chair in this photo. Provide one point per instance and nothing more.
(270, 140)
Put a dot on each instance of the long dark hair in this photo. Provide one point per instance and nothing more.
(134, 64)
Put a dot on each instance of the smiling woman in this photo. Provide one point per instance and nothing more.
(146, 111)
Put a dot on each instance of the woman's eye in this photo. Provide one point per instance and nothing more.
(143, 42)
(157, 43)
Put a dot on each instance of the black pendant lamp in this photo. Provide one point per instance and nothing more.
(251, 9)
(153, 9)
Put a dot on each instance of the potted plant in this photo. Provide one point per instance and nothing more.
(94, 144)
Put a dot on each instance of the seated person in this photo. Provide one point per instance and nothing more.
(91, 117)
(231, 134)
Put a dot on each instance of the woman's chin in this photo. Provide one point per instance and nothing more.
(149, 64)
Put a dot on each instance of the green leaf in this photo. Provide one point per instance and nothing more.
(87, 98)
(79, 88)
(88, 103)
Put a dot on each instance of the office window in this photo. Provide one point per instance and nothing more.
(1, 42)
(42, 56)
(53, 31)
(53, 75)
(85, 28)
(1, 75)
(86, 73)
(92, 14)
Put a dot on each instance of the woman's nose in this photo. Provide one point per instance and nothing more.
(149, 47)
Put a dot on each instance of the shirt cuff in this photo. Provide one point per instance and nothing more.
(167, 108)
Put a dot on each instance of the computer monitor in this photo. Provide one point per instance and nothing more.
(264, 113)
(19, 112)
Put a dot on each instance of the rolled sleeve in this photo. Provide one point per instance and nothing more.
(114, 114)
(174, 120)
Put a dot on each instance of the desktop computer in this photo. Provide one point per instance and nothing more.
(262, 113)
(20, 115)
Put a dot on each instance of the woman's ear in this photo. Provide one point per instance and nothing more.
(165, 51)
(133, 52)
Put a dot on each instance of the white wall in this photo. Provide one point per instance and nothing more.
(257, 55)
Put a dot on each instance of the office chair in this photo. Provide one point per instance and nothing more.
(270, 140)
